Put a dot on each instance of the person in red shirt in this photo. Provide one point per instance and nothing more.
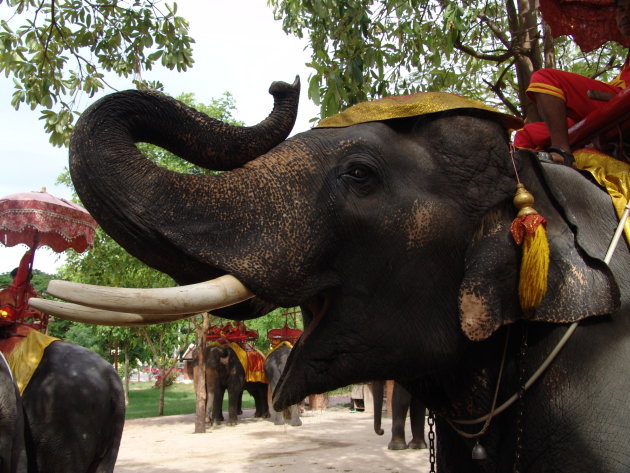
(564, 98)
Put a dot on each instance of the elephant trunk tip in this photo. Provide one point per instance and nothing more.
(279, 87)
(379, 431)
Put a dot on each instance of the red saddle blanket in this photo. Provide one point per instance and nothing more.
(252, 360)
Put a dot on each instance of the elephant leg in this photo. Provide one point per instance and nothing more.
(401, 399)
(209, 406)
(262, 401)
(294, 414)
(259, 393)
(217, 409)
(239, 407)
(276, 417)
(235, 395)
(416, 419)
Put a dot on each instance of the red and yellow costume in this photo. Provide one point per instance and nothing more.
(572, 89)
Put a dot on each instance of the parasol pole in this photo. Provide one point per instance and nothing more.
(617, 235)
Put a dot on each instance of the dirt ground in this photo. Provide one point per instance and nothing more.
(332, 440)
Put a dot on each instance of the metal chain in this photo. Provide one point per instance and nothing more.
(518, 454)
(431, 422)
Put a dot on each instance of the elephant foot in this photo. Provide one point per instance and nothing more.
(278, 421)
(418, 444)
(296, 423)
(397, 445)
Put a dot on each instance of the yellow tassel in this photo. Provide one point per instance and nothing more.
(534, 268)
(528, 228)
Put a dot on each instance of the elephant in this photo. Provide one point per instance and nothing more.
(12, 447)
(402, 402)
(72, 413)
(224, 372)
(275, 362)
(389, 225)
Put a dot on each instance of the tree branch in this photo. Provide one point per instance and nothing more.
(495, 29)
(498, 86)
(488, 57)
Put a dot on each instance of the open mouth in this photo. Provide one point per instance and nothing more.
(316, 307)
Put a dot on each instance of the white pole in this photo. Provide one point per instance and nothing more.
(618, 232)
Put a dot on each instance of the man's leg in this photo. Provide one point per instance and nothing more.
(554, 113)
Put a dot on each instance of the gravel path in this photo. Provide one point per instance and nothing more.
(333, 440)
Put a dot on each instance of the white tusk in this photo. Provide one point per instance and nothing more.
(191, 299)
(88, 315)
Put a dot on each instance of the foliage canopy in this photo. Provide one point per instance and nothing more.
(367, 49)
(54, 50)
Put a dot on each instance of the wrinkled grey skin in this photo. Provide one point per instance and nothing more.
(12, 449)
(274, 365)
(394, 238)
(402, 403)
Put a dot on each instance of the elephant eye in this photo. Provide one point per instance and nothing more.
(358, 173)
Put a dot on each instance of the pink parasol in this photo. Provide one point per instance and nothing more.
(38, 219)
(590, 23)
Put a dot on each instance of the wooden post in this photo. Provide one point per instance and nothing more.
(199, 375)
(318, 402)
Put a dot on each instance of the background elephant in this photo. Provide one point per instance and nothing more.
(224, 372)
(12, 448)
(74, 407)
(389, 225)
(73, 412)
(275, 362)
(402, 403)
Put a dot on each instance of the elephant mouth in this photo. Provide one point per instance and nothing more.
(314, 310)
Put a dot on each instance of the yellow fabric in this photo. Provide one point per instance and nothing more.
(282, 343)
(251, 375)
(546, 89)
(418, 104)
(25, 358)
(611, 174)
(534, 268)
(618, 82)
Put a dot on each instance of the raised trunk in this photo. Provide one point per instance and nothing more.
(144, 207)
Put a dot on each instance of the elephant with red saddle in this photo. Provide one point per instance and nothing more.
(225, 372)
(389, 224)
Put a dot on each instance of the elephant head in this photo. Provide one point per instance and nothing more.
(388, 225)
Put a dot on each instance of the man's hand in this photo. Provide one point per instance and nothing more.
(599, 95)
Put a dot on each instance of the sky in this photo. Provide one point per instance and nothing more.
(239, 48)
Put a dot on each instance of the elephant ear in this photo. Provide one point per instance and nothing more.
(580, 285)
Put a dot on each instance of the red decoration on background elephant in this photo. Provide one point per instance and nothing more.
(393, 236)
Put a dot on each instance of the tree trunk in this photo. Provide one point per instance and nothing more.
(529, 56)
(318, 402)
(199, 375)
(126, 384)
(162, 391)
